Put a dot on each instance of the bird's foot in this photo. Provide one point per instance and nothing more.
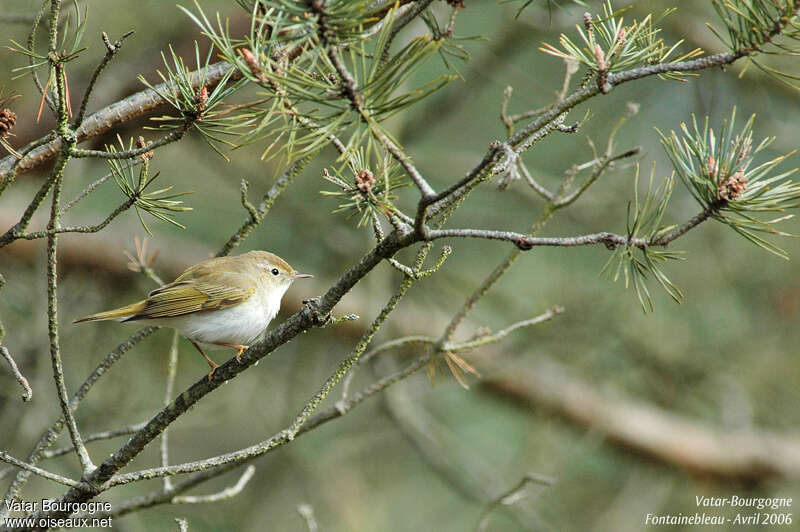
(242, 349)
(213, 365)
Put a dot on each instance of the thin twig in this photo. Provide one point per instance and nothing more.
(571, 67)
(610, 240)
(402, 22)
(352, 92)
(256, 216)
(172, 369)
(52, 260)
(514, 494)
(5, 457)
(31, 45)
(122, 207)
(170, 137)
(94, 184)
(599, 168)
(51, 434)
(105, 435)
(111, 51)
(306, 511)
(11, 234)
(543, 192)
(504, 265)
(496, 337)
(222, 495)
(27, 392)
(11, 174)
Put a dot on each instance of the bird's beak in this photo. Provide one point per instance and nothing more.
(301, 275)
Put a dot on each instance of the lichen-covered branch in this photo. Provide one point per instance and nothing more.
(109, 117)
(52, 254)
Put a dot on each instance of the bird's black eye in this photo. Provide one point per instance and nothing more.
(274, 271)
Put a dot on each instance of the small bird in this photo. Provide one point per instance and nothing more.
(225, 301)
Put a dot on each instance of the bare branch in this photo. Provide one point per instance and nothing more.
(227, 493)
(122, 431)
(172, 368)
(676, 440)
(122, 207)
(543, 192)
(49, 437)
(11, 174)
(52, 255)
(257, 215)
(600, 166)
(610, 240)
(94, 184)
(306, 511)
(5, 457)
(111, 51)
(352, 91)
(496, 337)
(113, 115)
(28, 393)
(514, 494)
(169, 138)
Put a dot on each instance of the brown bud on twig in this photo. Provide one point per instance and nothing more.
(201, 98)
(364, 181)
(252, 62)
(8, 119)
(733, 187)
(620, 39)
(146, 156)
(602, 64)
(587, 21)
(712, 167)
(602, 69)
(744, 153)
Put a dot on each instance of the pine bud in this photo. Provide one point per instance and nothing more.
(8, 119)
(364, 181)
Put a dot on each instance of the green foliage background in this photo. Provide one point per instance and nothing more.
(726, 356)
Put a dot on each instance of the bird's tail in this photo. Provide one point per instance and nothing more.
(118, 313)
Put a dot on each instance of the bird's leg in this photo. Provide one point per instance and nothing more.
(211, 363)
(241, 348)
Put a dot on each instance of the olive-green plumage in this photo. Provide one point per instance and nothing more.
(226, 301)
(216, 283)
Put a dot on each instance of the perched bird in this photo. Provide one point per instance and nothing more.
(225, 301)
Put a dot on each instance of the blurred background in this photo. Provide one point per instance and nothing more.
(423, 457)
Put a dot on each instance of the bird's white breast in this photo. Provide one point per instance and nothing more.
(240, 324)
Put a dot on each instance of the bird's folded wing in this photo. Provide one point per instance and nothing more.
(183, 297)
